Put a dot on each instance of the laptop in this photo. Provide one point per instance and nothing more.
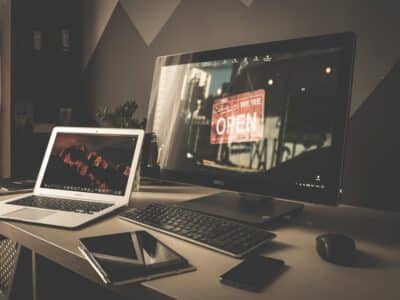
(86, 173)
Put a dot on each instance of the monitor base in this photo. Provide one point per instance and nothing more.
(149, 181)
(243, 207)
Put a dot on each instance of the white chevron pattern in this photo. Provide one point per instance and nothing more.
(149, 17)
(248, 3)
(97, 14)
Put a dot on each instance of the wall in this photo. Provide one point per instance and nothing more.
(119, 66)
(5, 85)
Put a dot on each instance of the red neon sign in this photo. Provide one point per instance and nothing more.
(238, 118)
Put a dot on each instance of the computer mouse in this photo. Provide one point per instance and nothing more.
(336, 248)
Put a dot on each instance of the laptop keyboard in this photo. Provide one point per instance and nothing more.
(78, 206)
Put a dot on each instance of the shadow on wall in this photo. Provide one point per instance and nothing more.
(371, 173)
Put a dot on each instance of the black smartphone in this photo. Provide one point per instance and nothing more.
(253, 273)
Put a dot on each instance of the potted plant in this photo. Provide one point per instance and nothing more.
(122, 117)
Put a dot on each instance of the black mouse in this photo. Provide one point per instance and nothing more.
(336, 248)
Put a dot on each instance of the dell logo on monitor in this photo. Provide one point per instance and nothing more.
(218, 182)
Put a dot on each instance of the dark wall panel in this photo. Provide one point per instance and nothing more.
(372, 157)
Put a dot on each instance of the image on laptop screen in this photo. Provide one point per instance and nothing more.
(90, 163)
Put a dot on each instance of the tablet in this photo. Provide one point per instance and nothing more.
(131, 257)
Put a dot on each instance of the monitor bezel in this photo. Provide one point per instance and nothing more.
(345, 41)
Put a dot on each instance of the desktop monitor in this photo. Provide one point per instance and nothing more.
(267, 118)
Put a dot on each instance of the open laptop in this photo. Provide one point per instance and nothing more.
(85, 174)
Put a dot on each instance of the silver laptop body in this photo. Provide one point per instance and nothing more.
(86, 173)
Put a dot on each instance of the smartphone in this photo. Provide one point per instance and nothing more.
(253, 273)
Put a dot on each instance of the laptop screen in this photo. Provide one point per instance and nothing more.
(90, 163)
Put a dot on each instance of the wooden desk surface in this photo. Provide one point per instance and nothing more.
(308, 277)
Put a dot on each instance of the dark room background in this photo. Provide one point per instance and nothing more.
(122, 39)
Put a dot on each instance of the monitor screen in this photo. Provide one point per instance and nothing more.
(90, 163)
(266, 118)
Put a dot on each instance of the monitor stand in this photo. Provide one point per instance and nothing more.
(243, 207)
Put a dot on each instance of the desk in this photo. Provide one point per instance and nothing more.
(376, 233)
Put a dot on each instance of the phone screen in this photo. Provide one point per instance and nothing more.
(253, 273)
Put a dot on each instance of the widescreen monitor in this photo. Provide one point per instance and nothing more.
(267, 118)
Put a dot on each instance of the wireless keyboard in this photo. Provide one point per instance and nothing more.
(216, 233)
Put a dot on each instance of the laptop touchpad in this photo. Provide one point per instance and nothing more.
(29, 214)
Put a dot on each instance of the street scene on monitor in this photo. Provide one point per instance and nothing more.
(269, 114)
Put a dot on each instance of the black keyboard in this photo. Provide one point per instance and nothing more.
(79, 206)
(216, 233)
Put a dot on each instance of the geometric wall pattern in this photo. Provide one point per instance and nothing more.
(372, 158)
(97, 16)
(148, 16)
(130, 33)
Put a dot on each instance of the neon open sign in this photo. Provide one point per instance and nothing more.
(238, 118)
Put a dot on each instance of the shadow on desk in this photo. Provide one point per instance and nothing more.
(369, 260)
(362, 224)
(367, 227)
(272, 247)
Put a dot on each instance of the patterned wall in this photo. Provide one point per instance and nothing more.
(122, 39)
